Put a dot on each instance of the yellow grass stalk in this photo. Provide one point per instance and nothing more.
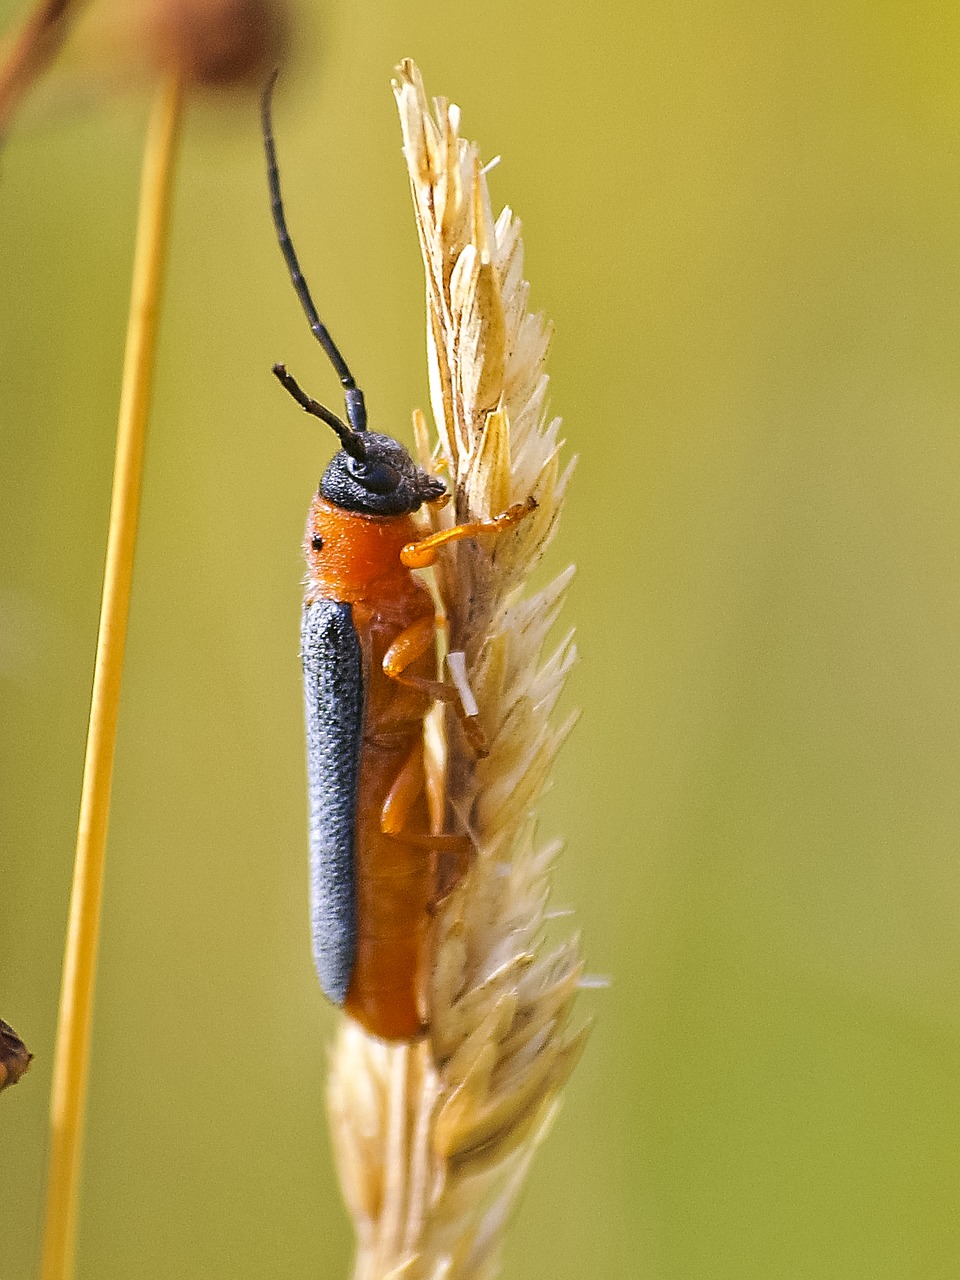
(79, 966)
(434, 1139)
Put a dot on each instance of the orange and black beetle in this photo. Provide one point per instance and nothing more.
(368, 645)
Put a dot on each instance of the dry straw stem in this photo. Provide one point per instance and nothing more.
(72, 1054)
(433, 1140)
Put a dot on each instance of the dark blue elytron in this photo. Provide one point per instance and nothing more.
(333, 699)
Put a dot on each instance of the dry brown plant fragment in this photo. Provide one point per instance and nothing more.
(26, 55)
(113, 46)
(14, 1056)
(434, 1139)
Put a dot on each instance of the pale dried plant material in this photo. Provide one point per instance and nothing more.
(434, 1140)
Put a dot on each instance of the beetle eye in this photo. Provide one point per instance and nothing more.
(376, 477)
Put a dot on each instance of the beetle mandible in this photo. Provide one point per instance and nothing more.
(368, 646)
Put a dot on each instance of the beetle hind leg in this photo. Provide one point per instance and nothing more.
(408, 786)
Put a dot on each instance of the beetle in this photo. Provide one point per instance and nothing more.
(368, 648)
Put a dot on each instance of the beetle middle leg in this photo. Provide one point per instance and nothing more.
(412, 643)
(404, 650)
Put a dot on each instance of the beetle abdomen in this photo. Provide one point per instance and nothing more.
(333, 698)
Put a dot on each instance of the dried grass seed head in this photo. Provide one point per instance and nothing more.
(434, 1139)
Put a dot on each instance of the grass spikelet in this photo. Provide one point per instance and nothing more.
(434, 1139)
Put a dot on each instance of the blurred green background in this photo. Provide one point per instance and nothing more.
(744, 220)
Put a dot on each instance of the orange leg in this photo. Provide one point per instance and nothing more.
(409, 645)
(405, 792)
(422, 554)
(408, 786)
(460, 845)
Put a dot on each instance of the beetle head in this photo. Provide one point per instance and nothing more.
(385, 481)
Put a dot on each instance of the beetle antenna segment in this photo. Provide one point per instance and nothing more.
(351, 441)
(356, 409)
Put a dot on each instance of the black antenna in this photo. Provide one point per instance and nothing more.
(356, 409)
(351, 440)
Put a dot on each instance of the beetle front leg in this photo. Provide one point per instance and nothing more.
(422, 554)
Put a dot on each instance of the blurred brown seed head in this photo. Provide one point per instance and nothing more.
(217, 44)
(14, 1056)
